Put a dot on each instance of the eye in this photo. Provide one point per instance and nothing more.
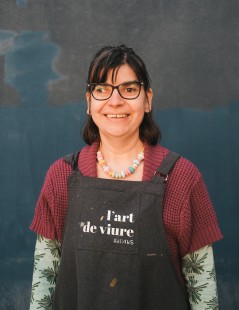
(100, 89)
(130, 88)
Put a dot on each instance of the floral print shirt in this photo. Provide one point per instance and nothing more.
(198, 269)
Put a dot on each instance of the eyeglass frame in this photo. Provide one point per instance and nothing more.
(89, 87)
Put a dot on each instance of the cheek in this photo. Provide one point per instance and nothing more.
(95, 112)
(142, 108)
(95, 107)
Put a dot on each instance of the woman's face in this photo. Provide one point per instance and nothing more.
(116, 116)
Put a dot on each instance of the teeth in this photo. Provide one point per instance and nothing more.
(117, 115)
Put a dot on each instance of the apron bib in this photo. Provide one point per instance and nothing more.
(115, 254)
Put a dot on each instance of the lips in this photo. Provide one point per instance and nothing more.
(116, 115)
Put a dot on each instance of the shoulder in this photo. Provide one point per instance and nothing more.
(186, 170)
(183, 166)
(59, 169)
(186, 183)
(184, 178)
(56, 179)
(87, 160)
(184, 175)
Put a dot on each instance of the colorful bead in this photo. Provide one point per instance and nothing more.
(140, 156)
(127, 172)
(106, 168)
(119, 174)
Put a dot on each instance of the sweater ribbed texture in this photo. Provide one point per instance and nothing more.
(189, 218)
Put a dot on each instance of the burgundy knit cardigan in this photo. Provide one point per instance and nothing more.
(189, 218)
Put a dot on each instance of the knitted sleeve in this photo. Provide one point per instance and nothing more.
(50, 212)
(198, 222)
(43, 221)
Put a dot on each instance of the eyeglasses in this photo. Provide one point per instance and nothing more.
(103, 91)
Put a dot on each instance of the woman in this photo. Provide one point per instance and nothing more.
(138, 222)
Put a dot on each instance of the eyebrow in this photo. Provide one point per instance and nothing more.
(127, 82)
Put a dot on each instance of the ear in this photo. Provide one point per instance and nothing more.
(148, 101)
(87, 95)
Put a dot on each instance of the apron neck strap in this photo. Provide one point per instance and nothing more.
(166, 166)
(72, 159)
(164, 169)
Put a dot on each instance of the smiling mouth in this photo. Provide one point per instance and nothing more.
(116, 115)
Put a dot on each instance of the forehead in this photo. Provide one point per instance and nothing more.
(121, 74)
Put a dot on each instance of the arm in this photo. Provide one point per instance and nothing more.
(199, 272)
(46, 264)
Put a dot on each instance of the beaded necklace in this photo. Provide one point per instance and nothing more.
(123, 173)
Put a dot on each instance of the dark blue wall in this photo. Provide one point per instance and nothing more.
(191, 49)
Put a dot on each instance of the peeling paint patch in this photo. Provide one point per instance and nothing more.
(28, 66)
(6, 41)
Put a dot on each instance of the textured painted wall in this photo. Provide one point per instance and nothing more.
(191, 49)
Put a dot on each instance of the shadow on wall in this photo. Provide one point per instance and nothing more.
(33, 135)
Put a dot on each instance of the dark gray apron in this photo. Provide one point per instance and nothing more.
(115, 254)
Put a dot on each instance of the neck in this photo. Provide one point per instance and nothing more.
(120, 148)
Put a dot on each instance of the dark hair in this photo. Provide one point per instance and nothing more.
(112, 57)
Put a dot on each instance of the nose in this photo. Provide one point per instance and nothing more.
(115, 98)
